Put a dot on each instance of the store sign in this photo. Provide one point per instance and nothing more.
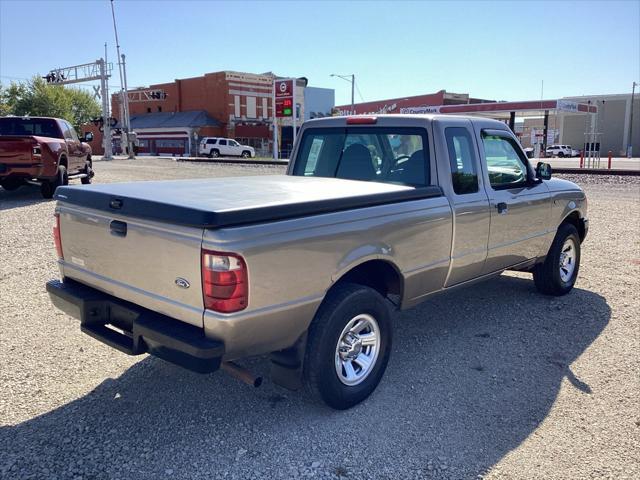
(567, 106)
(283, 88)
(419, 110)
(283, 95)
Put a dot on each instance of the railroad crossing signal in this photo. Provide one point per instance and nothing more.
(79, 73)
(137, 96)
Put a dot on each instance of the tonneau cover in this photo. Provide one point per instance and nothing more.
(219, 202)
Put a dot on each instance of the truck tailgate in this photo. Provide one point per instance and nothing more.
(15, 152)
(155, 265)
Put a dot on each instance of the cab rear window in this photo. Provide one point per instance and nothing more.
(43, 127)
(389, 155)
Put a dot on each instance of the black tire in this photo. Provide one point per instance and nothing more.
(560, 154)
(48, 187)
(547, 275)
(88, 170)
(339, 308)
(11, 183)
(246, 154)
(214, 153)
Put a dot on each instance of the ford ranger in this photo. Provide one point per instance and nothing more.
(41, 150)
(375, 213)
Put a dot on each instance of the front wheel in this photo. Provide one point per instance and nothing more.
(246, 154)
(348, 346)
(560, 154)
(558, 273)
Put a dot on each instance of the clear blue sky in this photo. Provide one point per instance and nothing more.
(496, 50)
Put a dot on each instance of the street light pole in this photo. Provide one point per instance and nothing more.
(353, 84)
(630, 142)
(124, 96)
(349, 78)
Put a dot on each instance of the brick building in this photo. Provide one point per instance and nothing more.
(229, 104)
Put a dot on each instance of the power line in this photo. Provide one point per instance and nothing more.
(359, 94)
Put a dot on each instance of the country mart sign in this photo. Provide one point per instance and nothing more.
(419, 110)
(283, 88)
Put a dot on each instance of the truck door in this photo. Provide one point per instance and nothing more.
(468, 199)
(74, 147)
(520, 208)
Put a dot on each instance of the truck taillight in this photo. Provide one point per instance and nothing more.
(224, 282)
(56, 236)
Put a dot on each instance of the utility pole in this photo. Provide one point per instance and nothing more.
(126, 123)
(106, 116)
(630, 141)
(353, 85)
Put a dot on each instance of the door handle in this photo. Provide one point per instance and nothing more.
(502, 208)
(119, 229)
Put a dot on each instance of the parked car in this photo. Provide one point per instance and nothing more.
(374, 214)
(561, 151)
(42, 150)
(224, 147)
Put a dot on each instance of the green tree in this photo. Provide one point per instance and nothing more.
(36, 98)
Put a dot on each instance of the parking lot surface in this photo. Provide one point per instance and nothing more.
(495, 381)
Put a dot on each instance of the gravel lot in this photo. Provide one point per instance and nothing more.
(494, 381)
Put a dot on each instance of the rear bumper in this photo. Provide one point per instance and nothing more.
(139, 330)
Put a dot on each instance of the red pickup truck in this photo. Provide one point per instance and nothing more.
(44, 151)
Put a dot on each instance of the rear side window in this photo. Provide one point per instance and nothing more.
(211, 141)
(462, 159)
(389, 155)
(222, 142)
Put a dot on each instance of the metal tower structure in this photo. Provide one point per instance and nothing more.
(87, 72)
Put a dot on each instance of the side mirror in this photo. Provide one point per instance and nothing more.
(88, 137)
(543, 171)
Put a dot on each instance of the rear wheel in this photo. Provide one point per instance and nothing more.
(88, 170)
(48, 187)
(11, 183)
(214, 153)
(348, 346)
(558, 273)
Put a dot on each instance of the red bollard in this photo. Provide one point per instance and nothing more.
(609, 160)
(581, 158)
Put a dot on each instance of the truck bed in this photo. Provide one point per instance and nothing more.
(222, 202)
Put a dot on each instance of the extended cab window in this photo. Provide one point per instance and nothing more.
(505, 167)
(390, 155)
(462, 159)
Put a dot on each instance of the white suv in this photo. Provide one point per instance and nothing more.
(561, 151)
(224, 147)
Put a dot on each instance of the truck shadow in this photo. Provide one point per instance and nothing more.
(24, 196)
(472, 374)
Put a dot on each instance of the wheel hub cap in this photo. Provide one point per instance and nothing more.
(357, 349)
(567, 260)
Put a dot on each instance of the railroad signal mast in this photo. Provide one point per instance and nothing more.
(87, 72)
